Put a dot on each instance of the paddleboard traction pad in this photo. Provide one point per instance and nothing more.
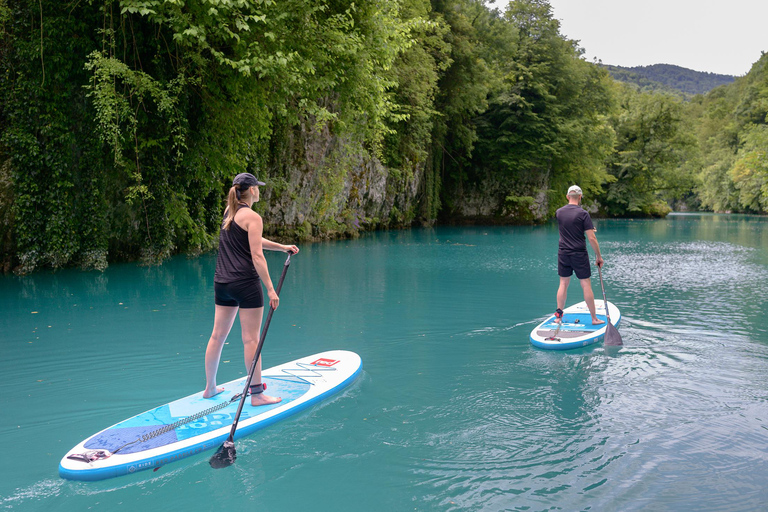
(576, 329)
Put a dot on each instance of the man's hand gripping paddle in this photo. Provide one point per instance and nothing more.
(226, 454)
(612, 336)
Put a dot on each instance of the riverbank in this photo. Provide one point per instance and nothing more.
(351, 229)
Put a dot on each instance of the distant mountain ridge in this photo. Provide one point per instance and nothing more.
(669, 78)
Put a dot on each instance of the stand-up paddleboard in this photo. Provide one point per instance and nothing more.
(576, 329)
(195, 424)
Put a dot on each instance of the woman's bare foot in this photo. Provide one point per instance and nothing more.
(597, 321)
(210, 394)
(262, 399)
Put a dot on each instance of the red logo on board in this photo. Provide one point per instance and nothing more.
(325, 362)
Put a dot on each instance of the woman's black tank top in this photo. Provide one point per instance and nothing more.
(234, 262)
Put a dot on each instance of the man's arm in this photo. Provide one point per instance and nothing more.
(592, 237)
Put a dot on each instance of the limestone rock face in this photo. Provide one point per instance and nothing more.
(322, 186)
(493, 200)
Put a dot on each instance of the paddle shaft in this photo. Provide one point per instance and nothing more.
(231, 437)
(605, 302)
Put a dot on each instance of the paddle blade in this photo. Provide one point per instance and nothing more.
(612, 336)
(225, 456)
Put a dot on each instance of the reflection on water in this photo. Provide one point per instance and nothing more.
(455, 409)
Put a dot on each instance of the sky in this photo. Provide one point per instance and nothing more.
(718, 36)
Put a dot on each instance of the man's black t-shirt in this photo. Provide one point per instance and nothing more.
(573, 221)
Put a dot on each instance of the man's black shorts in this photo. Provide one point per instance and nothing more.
(246, 294)
(570, 262)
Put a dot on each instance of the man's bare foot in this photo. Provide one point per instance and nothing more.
(597, 321)
(211, 394)
(262, 399)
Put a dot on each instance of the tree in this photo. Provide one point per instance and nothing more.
(732, 138)
(547, 126)
(652, 145)
(464, 85)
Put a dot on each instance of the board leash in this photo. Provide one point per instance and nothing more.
(92, 455)
(291, 374)
(561, 317)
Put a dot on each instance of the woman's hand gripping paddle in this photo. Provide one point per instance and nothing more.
(612, 336)
(226, 454)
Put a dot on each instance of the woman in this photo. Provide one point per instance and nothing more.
(240, 270)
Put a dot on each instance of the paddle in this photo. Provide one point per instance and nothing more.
(612, 336)
(226, 454)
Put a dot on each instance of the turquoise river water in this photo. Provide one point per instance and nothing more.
(454, 410)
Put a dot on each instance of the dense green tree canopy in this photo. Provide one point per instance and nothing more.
(653, 145)
(122, 123)
(546, 125)
(731, 127)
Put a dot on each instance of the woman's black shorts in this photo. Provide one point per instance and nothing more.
(570, 262)
(246, 294)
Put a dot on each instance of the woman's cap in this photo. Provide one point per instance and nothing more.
(574, 191)
(245, 180)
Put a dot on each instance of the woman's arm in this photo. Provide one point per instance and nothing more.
(255, 227)
(269, 245)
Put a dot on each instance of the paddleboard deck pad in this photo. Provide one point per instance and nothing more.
(194, 424)
(576, 329)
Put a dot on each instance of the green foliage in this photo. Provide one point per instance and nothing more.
(54, 221)
(123, 127)
(521, 206)
(464, 84)
(731, 130)
(653, 144)
(416, 72)
(750, 170)
(7, 247)
(123, 122)
(6, 215)
(547, 125)
(5, 18)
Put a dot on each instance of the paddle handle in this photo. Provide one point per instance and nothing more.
(258, 351)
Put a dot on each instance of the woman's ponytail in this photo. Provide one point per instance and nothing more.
(231, 206)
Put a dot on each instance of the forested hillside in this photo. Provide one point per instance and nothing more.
(122, 124)
(642, 83)
(668, 78)
(732, 128)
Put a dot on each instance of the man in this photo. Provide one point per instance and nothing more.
(572, 256)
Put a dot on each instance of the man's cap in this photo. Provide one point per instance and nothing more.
(575, 190)
(245, 180)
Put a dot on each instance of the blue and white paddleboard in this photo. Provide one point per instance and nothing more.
(163, 435)
(576, 329)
